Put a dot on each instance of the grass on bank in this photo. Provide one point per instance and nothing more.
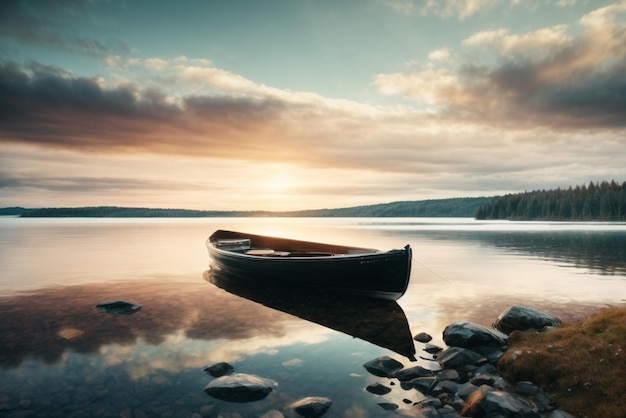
(581, 366)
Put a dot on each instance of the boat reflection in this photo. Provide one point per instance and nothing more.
(378, 321)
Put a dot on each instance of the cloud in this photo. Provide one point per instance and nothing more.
(47, 24)
(446, 9)
(439, 55)
(546, 77)
(460, 9)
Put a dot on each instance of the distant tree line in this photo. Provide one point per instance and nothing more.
(455, 207)
(461, 207)
(123, 212)
(602, 201)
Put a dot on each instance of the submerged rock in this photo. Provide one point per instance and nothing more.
(119, 307)
(240, 387)
(387, 406)
(312, 406)
(219, 369)
(378, 389)
(273, 414)
(521, 318)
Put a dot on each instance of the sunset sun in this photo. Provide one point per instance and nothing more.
(279, 183)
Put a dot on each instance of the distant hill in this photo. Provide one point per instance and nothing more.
(451, 208)
(14, 211)
(456, 207)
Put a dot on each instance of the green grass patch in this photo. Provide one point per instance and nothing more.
(581, 366)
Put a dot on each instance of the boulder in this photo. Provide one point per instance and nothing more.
(499, 404)
(311, 407)
(458, 358)
(219, 369)
(240, 387)
(119, 307)
(412, 373)
(383, 366)
(521, 318)
(469, 335)
(424, 385)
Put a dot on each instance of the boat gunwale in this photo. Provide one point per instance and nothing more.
(341, 251)
(332, 257)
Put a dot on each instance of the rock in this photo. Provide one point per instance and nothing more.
(424, 384)
(467, 389)
(526, 388)
(492, 354)
(388, 406)
(521, 318)
(208, 411)
(378, 389)
(542, 402)
(219, 369)
(273, 414)
(240, 388)
(458, 358)
(560, 414)
(432, 402)
(423, 337)
(498, 404)
(432, 349)
(446, 386)
(483, 379)
(383, 366)
(412, 373)
(419, 411)
(447, 374)
(311, 407)
(469, 335)
(118, 307)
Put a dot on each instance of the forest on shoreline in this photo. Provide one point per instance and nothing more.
(455, 207)
(603, 201)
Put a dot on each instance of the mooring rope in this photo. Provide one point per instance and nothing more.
(432, 271)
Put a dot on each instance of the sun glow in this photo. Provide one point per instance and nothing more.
(279, 183)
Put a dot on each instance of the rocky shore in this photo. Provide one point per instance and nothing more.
(466, 381)
(463, 382)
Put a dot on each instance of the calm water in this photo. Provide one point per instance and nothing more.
(59, 356)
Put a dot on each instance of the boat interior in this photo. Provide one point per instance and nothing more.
(261, 246)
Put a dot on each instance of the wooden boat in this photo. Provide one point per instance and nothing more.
(289, 262)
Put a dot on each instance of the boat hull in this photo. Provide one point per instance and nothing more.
(355, 270)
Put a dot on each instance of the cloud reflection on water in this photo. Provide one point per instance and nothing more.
(43, 324)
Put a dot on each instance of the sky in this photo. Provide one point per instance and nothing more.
(306, 104)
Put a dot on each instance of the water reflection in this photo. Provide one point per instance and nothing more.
(44, 324)
(598, 251)
(380, 322)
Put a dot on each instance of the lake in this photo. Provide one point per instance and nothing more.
(60, 356)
